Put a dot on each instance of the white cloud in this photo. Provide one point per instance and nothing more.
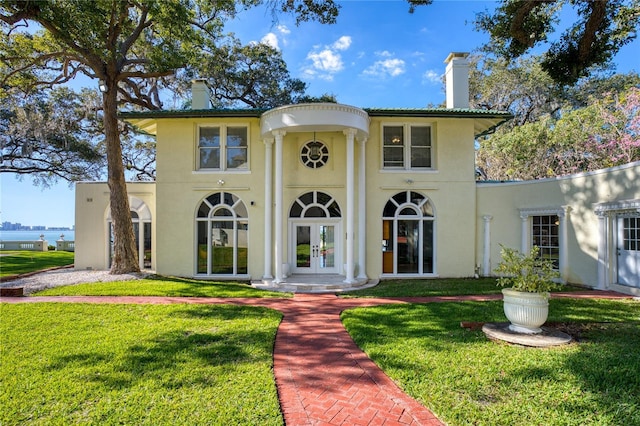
(386, 68)
(270, 39)
(384, 53)
(342, 43)
(432, 77)
(326, 61)
(283, 29)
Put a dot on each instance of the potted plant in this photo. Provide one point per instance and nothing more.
(529, 279)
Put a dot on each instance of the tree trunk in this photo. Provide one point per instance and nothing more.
(125, 255)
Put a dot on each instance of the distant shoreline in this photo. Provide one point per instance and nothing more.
(51, 236)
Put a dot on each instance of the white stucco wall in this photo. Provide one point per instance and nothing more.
(579, 193)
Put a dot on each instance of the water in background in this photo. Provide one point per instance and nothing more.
(50, 236)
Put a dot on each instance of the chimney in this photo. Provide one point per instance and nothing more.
(200, 94)
(457, 80)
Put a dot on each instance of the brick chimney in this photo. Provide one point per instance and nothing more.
(200, 95)
(457, 80)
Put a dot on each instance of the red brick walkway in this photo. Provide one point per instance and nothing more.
(322, 377)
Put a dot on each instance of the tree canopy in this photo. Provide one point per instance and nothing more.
(49, 136)
(557, 130)
(599, 30)
(134, 48)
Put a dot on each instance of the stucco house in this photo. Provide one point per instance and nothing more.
(349, 195)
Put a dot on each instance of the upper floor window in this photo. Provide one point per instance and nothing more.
(223, 148)
(406, 146)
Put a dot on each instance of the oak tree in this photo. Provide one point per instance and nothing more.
(132, 48)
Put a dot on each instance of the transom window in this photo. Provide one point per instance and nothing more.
(544, 234)
(315, 204)
(408, 235)
(222, 235)
(407, 146)
(223, 148)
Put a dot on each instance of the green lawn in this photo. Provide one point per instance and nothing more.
(430, 287)
(183, 364)
(434, 287)
(21, 262)
(162, 286)
(137, 364)
(466, 379)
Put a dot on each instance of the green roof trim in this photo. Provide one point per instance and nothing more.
(496, 118)
(437, 112)
(373, 112)
(193, 113)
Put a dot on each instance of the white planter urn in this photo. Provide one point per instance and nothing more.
(526, 311)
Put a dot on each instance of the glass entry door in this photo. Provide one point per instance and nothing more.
(315, 248)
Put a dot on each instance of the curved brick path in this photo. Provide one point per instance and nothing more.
(322, 377)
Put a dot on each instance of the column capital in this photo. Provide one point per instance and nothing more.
(362, 140)
(279, 133)
(268, 141)
(350, 132)
(487, 217)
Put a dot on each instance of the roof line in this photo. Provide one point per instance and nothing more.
(373, 112)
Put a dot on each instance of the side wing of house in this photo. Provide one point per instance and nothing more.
(93, 233)
(587, 223)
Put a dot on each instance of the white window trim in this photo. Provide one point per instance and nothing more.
(607, 214)
(563, 214)
(421, 219)
(223, 149)
(406, 133)
(208, 220)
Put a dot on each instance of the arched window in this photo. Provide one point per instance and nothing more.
(315, 204)
(141, 219)
(222, 235)
(408, 235)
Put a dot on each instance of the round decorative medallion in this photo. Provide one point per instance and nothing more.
(314, 154)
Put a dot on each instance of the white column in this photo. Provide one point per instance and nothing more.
(268, 207)
(563, 244)
(524, 244)
(362, 211)
(602, 250)
(278, 209)
(350, 134)
(486, 248)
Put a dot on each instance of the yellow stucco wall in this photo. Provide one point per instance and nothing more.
(450, 187)
(91, 213)
(459, 202)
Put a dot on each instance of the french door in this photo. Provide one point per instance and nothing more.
(628, 250)
(315, 247)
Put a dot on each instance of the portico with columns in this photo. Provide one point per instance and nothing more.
(348, 126)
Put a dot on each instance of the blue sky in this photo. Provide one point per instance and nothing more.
(377, 55)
